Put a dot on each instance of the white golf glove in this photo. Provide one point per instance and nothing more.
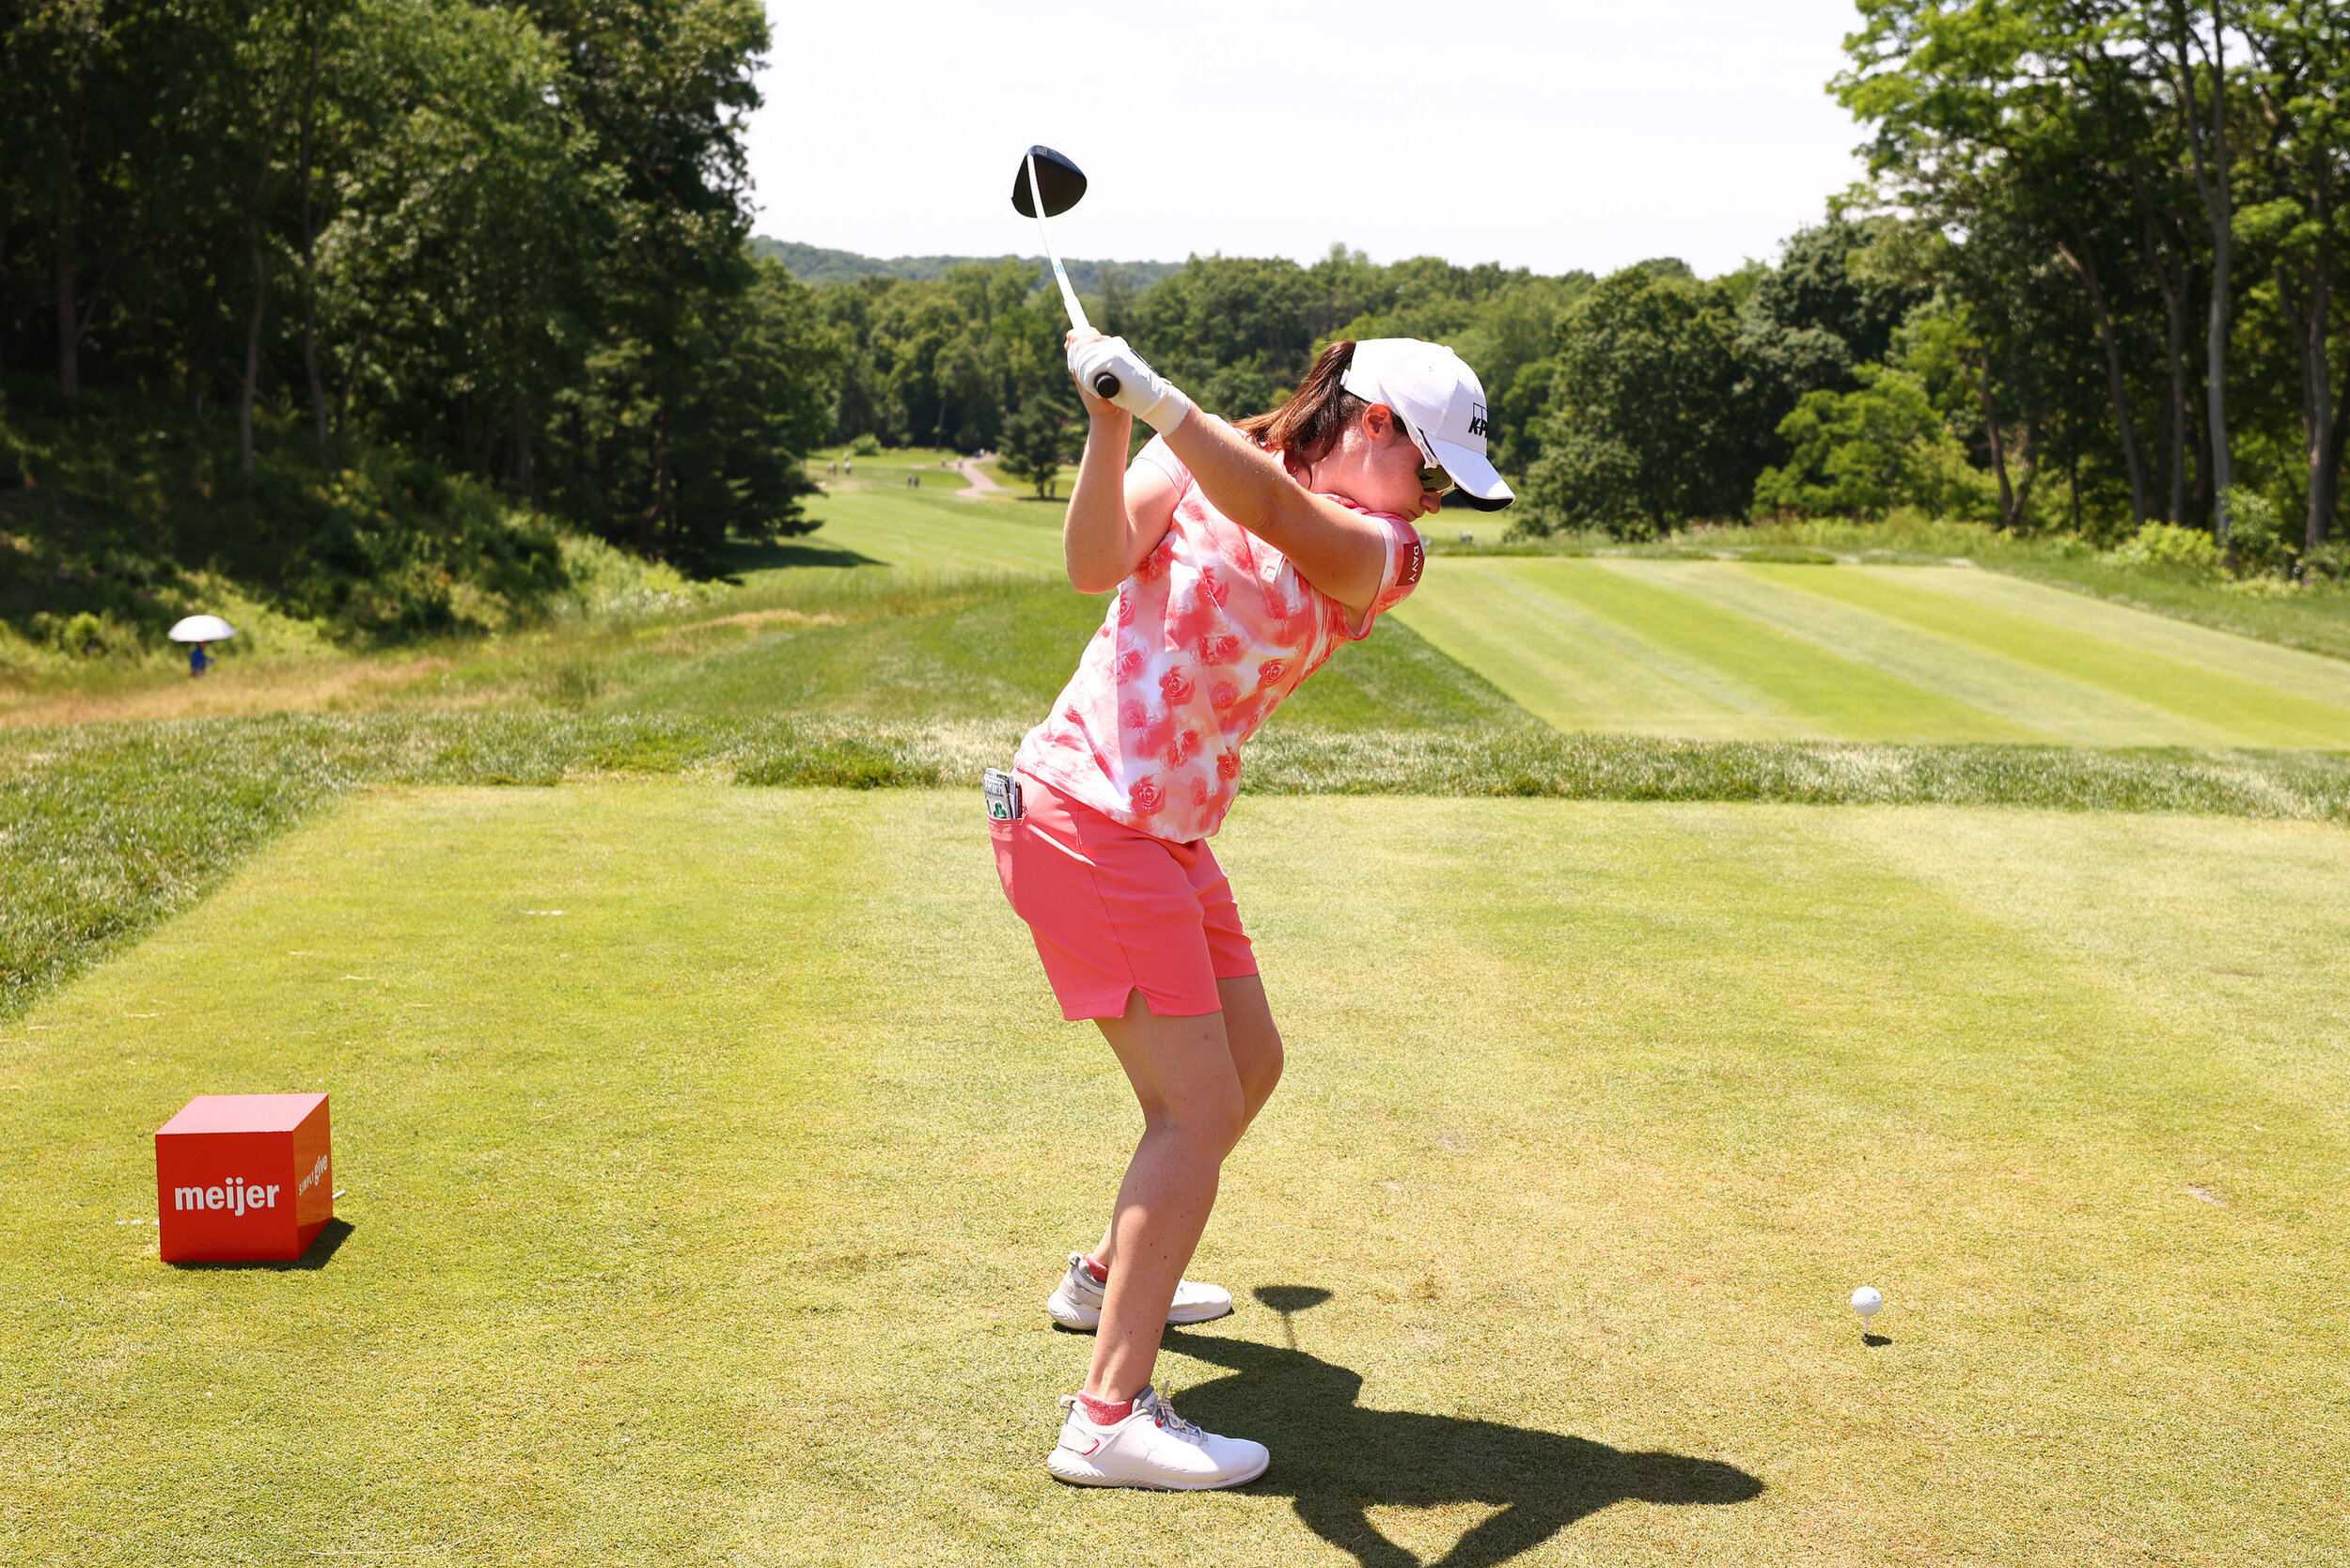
(1141, 391)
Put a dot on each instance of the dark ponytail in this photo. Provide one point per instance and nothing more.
(1306, 429)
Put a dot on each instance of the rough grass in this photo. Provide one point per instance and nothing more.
(105, 831)
(708, 1221)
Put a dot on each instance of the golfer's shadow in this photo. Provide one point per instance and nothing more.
(1337, 1459)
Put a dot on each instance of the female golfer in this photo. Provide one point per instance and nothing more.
(1242, 557)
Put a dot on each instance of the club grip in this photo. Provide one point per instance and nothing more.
(1105, 386)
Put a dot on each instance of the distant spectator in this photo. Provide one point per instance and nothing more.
(197, 663)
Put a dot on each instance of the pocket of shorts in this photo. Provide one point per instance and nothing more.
(1000, 834)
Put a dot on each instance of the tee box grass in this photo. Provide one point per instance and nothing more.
(708, 1153)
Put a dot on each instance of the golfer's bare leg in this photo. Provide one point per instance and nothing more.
(1255, 1047)
(1193, 1112)
(1256, 1044)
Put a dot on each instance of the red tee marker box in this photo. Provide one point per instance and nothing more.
(242, 1178)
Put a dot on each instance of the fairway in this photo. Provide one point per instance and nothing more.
(707, 1221)
(1718, 650)
(935, 530)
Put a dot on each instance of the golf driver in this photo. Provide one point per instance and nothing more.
(1047, 185)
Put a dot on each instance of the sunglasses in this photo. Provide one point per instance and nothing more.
(1433, 481)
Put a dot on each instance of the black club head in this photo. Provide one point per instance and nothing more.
(1058, 181)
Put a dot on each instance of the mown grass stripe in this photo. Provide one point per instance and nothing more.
(2251, 714)
(2311, 674)
(2041, 704)
(1573, 669)
(1834, 696)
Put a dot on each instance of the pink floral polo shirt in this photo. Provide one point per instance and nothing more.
(1200, 645)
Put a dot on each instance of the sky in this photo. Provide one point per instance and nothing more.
(1585, 134)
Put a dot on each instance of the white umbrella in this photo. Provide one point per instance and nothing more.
(202, 628)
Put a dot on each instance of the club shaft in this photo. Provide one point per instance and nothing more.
(1060, 274)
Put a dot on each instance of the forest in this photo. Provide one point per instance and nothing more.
(340, 289)
(272, 251)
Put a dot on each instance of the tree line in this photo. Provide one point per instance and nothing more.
(2093, 280)
(509, 238)
(1635, 402)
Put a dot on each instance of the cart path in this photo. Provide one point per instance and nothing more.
(982, 483)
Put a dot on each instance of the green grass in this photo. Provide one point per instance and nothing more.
(2316, 621)
(1064, 478)
(708, 1220)
(890, 467)
(107, 830)
(923, 531)
(1724, 651)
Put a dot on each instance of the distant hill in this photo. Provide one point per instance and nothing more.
(815, 265)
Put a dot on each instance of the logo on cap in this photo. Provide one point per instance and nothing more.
(1477, 420)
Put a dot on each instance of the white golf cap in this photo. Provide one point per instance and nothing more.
(1442, 405)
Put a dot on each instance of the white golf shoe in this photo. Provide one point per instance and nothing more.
(1077, 1301)
(1153, 1447)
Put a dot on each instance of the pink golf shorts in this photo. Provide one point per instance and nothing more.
(1115, 911)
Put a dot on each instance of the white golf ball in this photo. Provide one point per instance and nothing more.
(1866, 1300)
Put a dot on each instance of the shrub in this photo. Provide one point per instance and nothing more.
(868, 445)
(1862, 453)
(2257, 543)
(84, 635)
(2166, 544)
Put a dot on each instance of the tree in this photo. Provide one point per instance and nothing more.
(1235, 333)
(1036, 440)
(1812, 321)
(99, 102)
(2302, 69)
(2180, 31)
(1861, 453)
(1647, 427)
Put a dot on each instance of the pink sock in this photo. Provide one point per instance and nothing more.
(1102, 1412)
(1100, 1274)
